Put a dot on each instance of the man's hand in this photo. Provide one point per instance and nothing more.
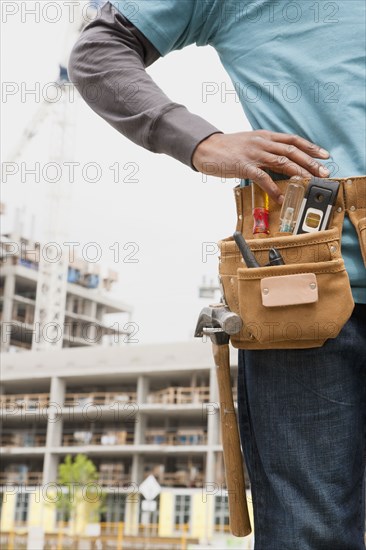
(245, 154)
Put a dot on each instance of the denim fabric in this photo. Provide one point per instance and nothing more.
(302, 426)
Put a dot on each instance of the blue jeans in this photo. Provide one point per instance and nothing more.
(302, 426)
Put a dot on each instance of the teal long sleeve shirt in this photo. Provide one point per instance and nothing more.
(297, 67)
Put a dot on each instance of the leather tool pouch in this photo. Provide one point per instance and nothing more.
(297, 305)
(361, 232)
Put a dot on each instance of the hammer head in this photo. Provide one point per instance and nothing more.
(204, 321)
(217, 319)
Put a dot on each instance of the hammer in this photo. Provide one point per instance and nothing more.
(219, 322)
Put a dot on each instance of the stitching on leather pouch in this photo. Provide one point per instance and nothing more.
(287, 245)
(234, 291)
(282, 247)
(329, 238)
(338, 268)
(294, 273)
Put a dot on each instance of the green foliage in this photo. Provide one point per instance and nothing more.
(78, 479)
(79, 471)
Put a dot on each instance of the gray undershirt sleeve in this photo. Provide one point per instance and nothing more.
(107, 66)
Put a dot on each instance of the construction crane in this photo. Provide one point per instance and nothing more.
(49, 315)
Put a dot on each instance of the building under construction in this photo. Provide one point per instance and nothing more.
(83, 310)
(134, 411)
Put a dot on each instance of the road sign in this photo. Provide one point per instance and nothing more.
(150, 488)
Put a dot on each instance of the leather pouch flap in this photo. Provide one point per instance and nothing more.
(287, 290)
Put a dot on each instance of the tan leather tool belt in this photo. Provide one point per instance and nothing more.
(306, 301)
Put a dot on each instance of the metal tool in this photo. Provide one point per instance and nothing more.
(275, 257)
(245, 250)
(218, 322)
(317, 206)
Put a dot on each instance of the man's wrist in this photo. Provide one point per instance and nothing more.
(194, 159)
(178, 132)
(202, 149)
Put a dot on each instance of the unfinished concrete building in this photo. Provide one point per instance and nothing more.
(84, 308)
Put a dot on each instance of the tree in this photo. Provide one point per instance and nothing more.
(78, 479)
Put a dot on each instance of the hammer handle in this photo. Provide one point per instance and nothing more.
(233, 459)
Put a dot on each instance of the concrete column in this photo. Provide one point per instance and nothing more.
(211, 409)
(137, 469)
(54, 428)
(142, 389)
(100, 312)
(9, 289)
(90, 308)
(69, 302)
(140, 418)
(50, 466)
(140, 427)
(54, 425)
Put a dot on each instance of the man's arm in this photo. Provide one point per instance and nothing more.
(107, 65)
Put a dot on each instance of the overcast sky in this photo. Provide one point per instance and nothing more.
(169, 212)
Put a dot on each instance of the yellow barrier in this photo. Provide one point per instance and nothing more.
(112, 536)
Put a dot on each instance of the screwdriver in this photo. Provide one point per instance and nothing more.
(260, 210)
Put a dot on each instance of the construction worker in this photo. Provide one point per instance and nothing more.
(301, 411)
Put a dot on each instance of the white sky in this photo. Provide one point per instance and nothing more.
(169, 212)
